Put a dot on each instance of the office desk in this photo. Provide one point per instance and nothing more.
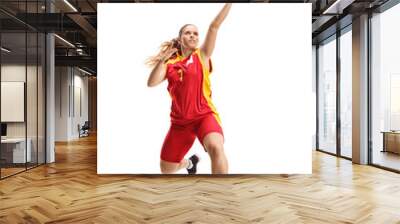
(13, 150)
(391, 141)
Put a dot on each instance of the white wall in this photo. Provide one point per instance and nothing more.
(61, 103)
(81, 83)
(68, 83)
(314, 91)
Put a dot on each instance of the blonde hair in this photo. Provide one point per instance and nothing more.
(153, 60)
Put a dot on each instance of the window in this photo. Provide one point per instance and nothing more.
(385, 88)
(327, 96)
(346, 93)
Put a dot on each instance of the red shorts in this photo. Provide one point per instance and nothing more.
(181, 138)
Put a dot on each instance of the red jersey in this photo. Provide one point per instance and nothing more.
(189, 88)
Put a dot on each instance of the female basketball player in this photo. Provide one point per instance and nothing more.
(187, 69)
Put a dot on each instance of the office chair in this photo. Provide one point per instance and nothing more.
(84, 130)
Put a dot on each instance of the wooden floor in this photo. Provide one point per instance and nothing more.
(10, 171)
(70, 191)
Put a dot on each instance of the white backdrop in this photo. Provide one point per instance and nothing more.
(261, 85)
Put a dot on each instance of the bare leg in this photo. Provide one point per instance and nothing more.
(170, 168)
(214, 144)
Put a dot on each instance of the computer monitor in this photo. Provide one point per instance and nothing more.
(3, 129)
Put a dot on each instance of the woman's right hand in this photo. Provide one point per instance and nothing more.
(168, 53)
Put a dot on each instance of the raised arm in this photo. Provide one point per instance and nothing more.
(209, 43)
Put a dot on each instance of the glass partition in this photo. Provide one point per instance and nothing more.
(22, 77)
(14, 153)
(327, 96)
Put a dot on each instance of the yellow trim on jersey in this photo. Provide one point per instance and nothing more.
(207, 86)
(172, 61)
